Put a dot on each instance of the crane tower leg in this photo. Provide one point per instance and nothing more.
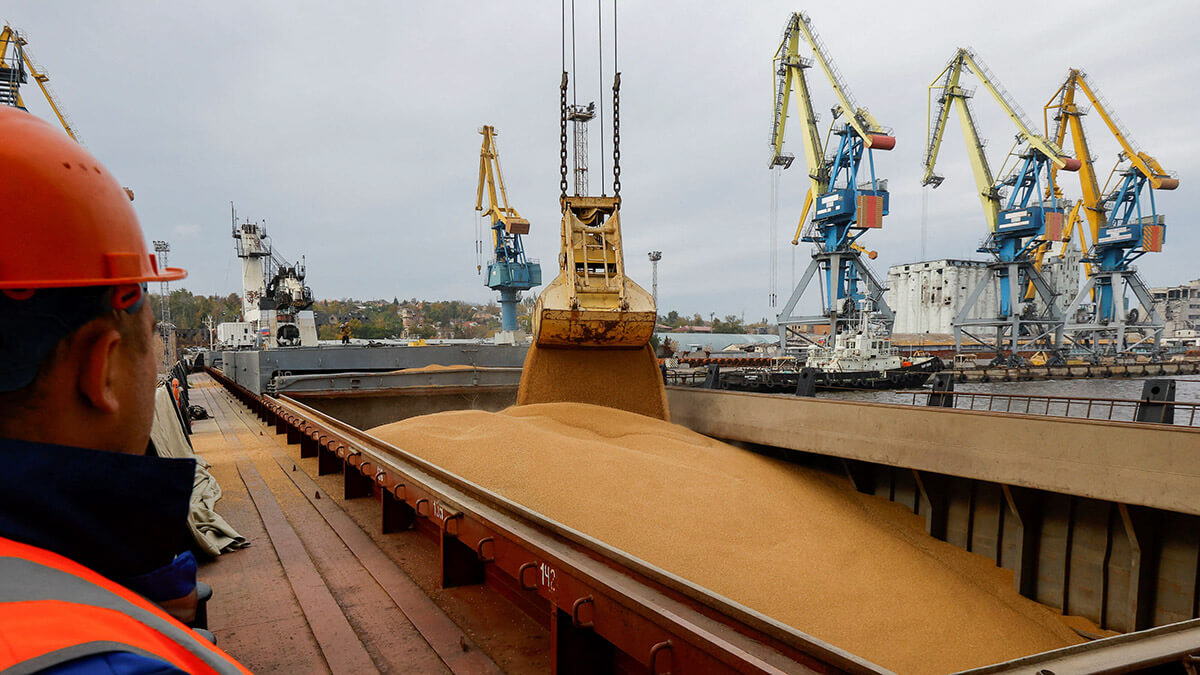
(508, 309)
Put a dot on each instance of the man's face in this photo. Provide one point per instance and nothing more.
(137, 377)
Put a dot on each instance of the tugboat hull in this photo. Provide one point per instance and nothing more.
(764, 380)
(905, 377)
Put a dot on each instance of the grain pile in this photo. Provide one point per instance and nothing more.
(794, 543)
(628, 379)
(436, 368)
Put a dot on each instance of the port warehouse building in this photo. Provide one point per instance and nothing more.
(927, 295)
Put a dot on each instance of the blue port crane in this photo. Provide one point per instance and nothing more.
(1124, 224)
(845, 197)
(1022, 209)
(509, 272)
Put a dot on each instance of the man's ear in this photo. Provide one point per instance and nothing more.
(98, 379)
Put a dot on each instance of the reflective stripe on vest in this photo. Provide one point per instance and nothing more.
(53, 610)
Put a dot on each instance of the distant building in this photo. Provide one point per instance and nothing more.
(926, 296)
(1179, 306)
(718, 342)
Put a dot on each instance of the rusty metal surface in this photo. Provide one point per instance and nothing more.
(594, 328)
(1143, 464)
(633, 605)
(343, 651)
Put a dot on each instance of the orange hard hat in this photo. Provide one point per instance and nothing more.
(66, 221)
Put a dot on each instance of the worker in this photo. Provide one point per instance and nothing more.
(94, 560)
(345, 332)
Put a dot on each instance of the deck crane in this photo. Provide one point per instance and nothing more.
(848, 204)
(510, 272)
(1123, 223)
(1020, 223)
(16, 65)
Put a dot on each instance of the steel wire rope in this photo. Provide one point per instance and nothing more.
(773, 256)
(616, 137)
(574, 68)
(562, 112)
(600, 80)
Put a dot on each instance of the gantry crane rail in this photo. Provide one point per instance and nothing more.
(1124, 224)
(845, 206)
(1020, 223)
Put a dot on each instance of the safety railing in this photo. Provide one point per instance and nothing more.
(1178, 413)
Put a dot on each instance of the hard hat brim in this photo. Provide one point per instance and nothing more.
(168, 274)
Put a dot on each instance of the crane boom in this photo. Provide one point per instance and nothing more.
(10, 38)
(954, 95)
(1147, 165)
(491, 177)
(857, 116)
(790, 73)
(1024, 127)
(1069, 119)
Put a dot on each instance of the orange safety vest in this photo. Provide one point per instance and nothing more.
(54, 610)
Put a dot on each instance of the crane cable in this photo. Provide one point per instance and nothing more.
(562, 115)
(600, 53)
(616, 102)
(773, 265)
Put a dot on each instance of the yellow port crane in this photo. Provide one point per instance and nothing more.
(1123, 224)
(509, 272)
(16, 65)
(1020, 223)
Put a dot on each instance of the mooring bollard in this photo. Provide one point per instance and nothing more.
(942, 395)
(806, 382)
(1149, 409)
(712, 378)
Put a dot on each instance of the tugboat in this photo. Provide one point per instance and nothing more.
(858, 359)
(865, 359)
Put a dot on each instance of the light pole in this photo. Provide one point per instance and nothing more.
(161, 248)
(655, 256)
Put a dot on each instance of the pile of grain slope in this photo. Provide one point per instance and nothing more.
(796, 544)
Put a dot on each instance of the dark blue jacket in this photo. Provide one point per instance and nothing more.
(124, 516)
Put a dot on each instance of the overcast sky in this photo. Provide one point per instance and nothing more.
(351, 127)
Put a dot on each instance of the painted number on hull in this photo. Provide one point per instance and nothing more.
(439, 511)
(549, 580)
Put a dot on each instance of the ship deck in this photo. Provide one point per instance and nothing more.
(319, 589)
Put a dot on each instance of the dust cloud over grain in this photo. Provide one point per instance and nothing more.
(794, 543)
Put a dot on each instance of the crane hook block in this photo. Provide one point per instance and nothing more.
(881, 142)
